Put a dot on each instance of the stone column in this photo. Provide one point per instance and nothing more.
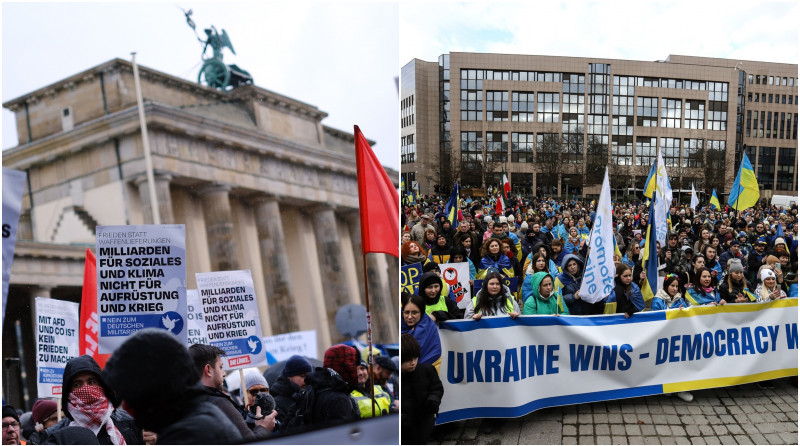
(331, 265)
(275, 265)
(222, 249)
(355, 237)
(163, 196)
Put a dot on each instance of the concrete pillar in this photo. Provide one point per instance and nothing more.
(222, 248)
(25, 226)
(355, 237)
(275, 265)
(163, 196)
(331, 265)
(394, 284)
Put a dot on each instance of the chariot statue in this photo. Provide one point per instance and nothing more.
(214, 73)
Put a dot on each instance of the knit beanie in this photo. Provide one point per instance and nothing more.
(735, 265)
(9, 411)
(42, 409)
(253, 378)
(297, 365)
(344, 360)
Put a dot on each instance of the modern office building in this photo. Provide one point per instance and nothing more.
(258, 180)
(554, 123)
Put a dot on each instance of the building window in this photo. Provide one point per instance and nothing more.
(622, 150)
(496, 147)
(522, 104)
(749, 124)
(521, 184)
(408, 150)
(718, 106)
(671, 113)
(547, 107)
(472, 95)
(472, 149)
(750, 78)
(692, 153)
(522, 147)
(497, 106)
(645, 151)
(766, 167)
(647, 112)
(786, 168)
(671, 151)
(572, 145)
(695, 114)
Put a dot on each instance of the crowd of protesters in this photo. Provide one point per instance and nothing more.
(155, 390)
(711, 257)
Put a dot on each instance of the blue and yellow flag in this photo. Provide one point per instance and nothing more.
(451, 209)
(744, 192)
(616, 249)
(650, 260)
(650, 183)
(715, 200)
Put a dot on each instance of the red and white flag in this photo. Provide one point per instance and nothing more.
(89, 324)
(500, 208)
(506, 185)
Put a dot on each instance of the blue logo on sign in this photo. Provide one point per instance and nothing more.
(254, 344)
(171, 321)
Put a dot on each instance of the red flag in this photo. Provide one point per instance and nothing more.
(378, 202)
(500, 208)
(89, 322)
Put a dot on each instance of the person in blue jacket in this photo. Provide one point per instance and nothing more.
(569, 282)
(626, 298)
(702, 291)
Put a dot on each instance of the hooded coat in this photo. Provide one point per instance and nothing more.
(325, 400)
(568, 285)
(284, 393)
(441, 307)
(535, 303)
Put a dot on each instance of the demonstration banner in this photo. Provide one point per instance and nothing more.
(510, 282)
(456, 275)
(281, 347)
(498, 367)
(56, 343)
(231, 317)
(195, 324)
(409, 278)
(141, 280)
(13, 186)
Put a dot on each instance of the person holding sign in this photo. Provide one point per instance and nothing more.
(493, 299)
(88, 401)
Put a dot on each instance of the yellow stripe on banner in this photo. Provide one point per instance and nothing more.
(725, 382)
(729, 308)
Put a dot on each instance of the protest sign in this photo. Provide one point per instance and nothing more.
(231, 317)
(13, 186)
(409, 278)
(195, 323)
(56, 343)
(503, 367)
(283, 346)
(141, 279)
(456, 275)
(510, 282)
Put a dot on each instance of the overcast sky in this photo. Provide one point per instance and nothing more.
(640, 30)
(340, 57)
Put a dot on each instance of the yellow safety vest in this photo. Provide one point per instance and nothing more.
(382, 402)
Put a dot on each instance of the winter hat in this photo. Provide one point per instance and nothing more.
(766, 273)
(253, 378)
(428, 279)
(779, 241)
(344, 360)
(741, 234)
(42, 409)
(524, 225)
(503, 219)
(430, 266)
(487, 219)
(9, 411)
(296, 365)
(385, 362)
(735, 265)
(734, 242)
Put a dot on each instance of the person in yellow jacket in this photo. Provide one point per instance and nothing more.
(361, 394)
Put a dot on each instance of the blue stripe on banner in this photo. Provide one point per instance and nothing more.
(513, 412)
(541, 321)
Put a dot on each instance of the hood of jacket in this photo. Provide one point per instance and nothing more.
(326, 379)
(536, 280)
(569, 257)
(76, 366)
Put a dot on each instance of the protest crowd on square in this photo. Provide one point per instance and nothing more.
(526, 255)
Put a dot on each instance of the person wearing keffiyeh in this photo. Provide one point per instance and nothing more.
(88, 402)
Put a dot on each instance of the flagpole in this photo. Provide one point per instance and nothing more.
(369, 336)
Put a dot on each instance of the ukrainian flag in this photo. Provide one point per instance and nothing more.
(744, 193)
(650, 261)
(451, 209)
(616, 249)
(650, 183)
(715, 200)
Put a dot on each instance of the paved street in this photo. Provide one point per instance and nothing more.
(742, 414)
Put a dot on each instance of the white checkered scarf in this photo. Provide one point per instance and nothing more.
(91, 409)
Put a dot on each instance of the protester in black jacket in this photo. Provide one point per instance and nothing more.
(422, 393)
(86, 398)
(287, 387)
(155, 377)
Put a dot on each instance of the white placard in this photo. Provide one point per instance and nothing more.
(231, 317)
(141, 281)
(283, 346)
(13, 186)
(57, 324)
(456, 276)
(195, 323)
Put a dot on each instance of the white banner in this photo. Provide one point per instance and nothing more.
(195, 324)
(57, 324)
(141, 281)
(456, 275)
(13, 186)
(283, 346)
(500, 367)
(598, 277)
(231, 317)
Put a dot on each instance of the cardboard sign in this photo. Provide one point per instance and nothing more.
(56, 343)
(141, 281)
(409, 278)
(230, 314)
(13, 186)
